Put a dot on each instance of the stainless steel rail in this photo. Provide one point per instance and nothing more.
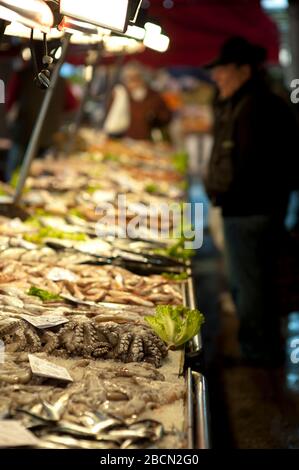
(197, 393)
(190, 411)
(202, 419)
(195, 345)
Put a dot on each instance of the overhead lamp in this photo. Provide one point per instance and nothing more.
(122, 44)
(85, 39)
(152, 28)
(157, 42)
(58, 53)
(135, 32)
(74, 26)
(110, 14)
(26, 54)
(32, 13)
(18, 30)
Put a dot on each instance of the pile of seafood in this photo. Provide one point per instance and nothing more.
(92, 283)
(107, 405)
(69, 296)
(87, 338)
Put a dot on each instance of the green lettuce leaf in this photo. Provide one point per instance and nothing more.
(177, 251)
(44, 295)
(180, 162)
(152, 188)
(176, 277)
(176, 325)
(48, 232)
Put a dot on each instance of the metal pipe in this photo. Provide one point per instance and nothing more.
(202, 418)
(3, 25)
(195, 345)
(32, 148)
(190, 410)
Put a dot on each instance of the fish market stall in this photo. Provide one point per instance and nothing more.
(97, 308)
(84, 364)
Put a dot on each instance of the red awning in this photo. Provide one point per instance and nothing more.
(197, 29)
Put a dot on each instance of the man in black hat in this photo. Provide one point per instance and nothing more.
(250, 178)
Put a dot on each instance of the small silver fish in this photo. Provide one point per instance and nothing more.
(53, 441)
(56, 410)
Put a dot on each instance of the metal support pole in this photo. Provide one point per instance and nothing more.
(3, 25)
(32, 148)
(202, 412)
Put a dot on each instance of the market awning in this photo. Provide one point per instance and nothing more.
(198, 28)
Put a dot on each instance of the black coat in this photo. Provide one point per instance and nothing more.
(255, 158)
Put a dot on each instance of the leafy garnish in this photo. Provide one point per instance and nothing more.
(15, 180)
(76, 213)
(180, 162)
(177, 251)
(44, 295)
(91, 189)
(48, 232)
(183, 185)
(152, 188)
(176, 277)
(176, 325)
(34, 220)
(110, 157)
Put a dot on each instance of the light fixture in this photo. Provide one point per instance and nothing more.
(157, 42)
(110, 14)
(88, 73)
(26, 54)
(85, 39)
(33, 13)
(74, 26)
(122, 44)
(152, 28)
(135, 32)
(18, 30)
(58, 53)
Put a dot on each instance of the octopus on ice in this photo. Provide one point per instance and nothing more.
(88, 339)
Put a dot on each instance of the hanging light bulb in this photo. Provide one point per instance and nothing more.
(26, 54)
(157, 42)
(32, 13)
(58, 53)
(135, 32)
(152, 28)
(122, 44)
